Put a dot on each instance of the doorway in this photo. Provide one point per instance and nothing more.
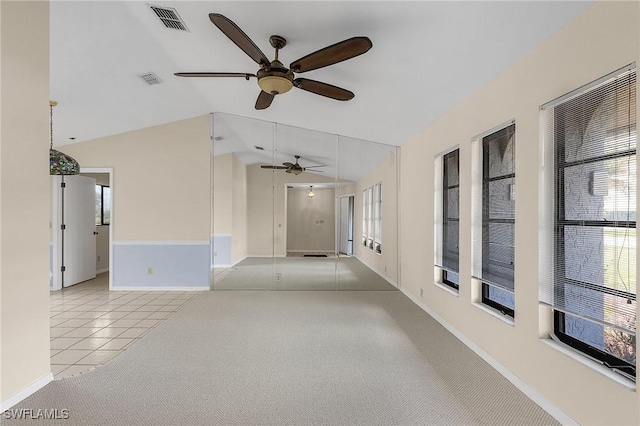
(81, 247)
(345, 225)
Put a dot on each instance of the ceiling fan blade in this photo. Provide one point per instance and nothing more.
(289, 165)
(314, 171)
(333, 54)
(310, 167)
(273, 167)
(237, 36)
(323, 89)
(246, 75)
(264, 100)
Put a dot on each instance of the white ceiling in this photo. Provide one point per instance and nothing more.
(426, 57)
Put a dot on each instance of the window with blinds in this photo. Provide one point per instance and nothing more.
(372, 218)
(450, 218)
(377, 218)
(494, 264)
(367, 225)
(588, 270)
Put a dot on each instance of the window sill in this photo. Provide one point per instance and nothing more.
(495, 313)
(586, 361)
(448, 289)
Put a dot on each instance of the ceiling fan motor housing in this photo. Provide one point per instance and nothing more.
(275, 80)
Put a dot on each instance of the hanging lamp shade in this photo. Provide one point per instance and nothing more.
(59, 162)
(62, 164)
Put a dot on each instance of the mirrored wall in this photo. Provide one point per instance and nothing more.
(297, 209)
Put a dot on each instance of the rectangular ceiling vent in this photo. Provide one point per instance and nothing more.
(169, 17)
(150, 78)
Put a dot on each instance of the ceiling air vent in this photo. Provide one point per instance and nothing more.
(150, 78)
(169, 17)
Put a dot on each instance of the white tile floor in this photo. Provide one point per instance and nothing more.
(91, 325)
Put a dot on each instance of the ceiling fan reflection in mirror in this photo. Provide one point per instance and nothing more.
(273, 77)
(295, 169)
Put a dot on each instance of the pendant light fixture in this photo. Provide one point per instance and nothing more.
(59, 162)
(311, 194)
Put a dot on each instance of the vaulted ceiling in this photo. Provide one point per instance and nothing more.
(426, 58)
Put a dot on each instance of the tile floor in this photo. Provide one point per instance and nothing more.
(91, 325)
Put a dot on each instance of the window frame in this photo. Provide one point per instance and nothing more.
(486, 220)
(560, 223)
(102, 205)
(372, 217)
(377, 218)
(445, 273)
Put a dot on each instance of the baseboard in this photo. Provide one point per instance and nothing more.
(26, 392)
(311, 251)
(101, 271)
(161, 288)
(387, 279)
(266, 255)
(228, 265)
(533, 394)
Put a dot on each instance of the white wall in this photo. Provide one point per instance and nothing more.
(311, 222)
(605, 38)
(25, 193)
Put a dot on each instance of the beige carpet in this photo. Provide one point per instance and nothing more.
(293, 358)
(302, 273)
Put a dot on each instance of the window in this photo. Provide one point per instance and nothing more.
(593, 239)
(103, 205)
(494, 264)
(366, 217)
(450, 219)
(372, 218)
(377, 218)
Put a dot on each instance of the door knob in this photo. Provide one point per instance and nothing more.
(95, 233)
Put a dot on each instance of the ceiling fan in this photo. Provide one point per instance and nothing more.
(273, 77)
(295, 169)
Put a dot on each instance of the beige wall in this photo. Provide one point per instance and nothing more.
(266, 204)
(161, 180)
(239, 205)
(386, 263)
(222, 194)
(24, 196)
(603, 39)
(311, 222)
(230, 208)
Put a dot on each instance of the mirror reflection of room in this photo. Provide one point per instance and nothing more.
(297, 209)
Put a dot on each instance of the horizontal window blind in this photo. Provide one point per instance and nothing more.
(497, 245)
(588, 238)
(450, 211)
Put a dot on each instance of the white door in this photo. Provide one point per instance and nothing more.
(78, 251)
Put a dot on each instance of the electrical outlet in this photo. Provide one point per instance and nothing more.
(278, 276)
(98, 258)
(149, 270)
(215, 253)
(421, 290)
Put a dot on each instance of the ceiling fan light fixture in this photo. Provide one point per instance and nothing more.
(311, 194)
(275, 84)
